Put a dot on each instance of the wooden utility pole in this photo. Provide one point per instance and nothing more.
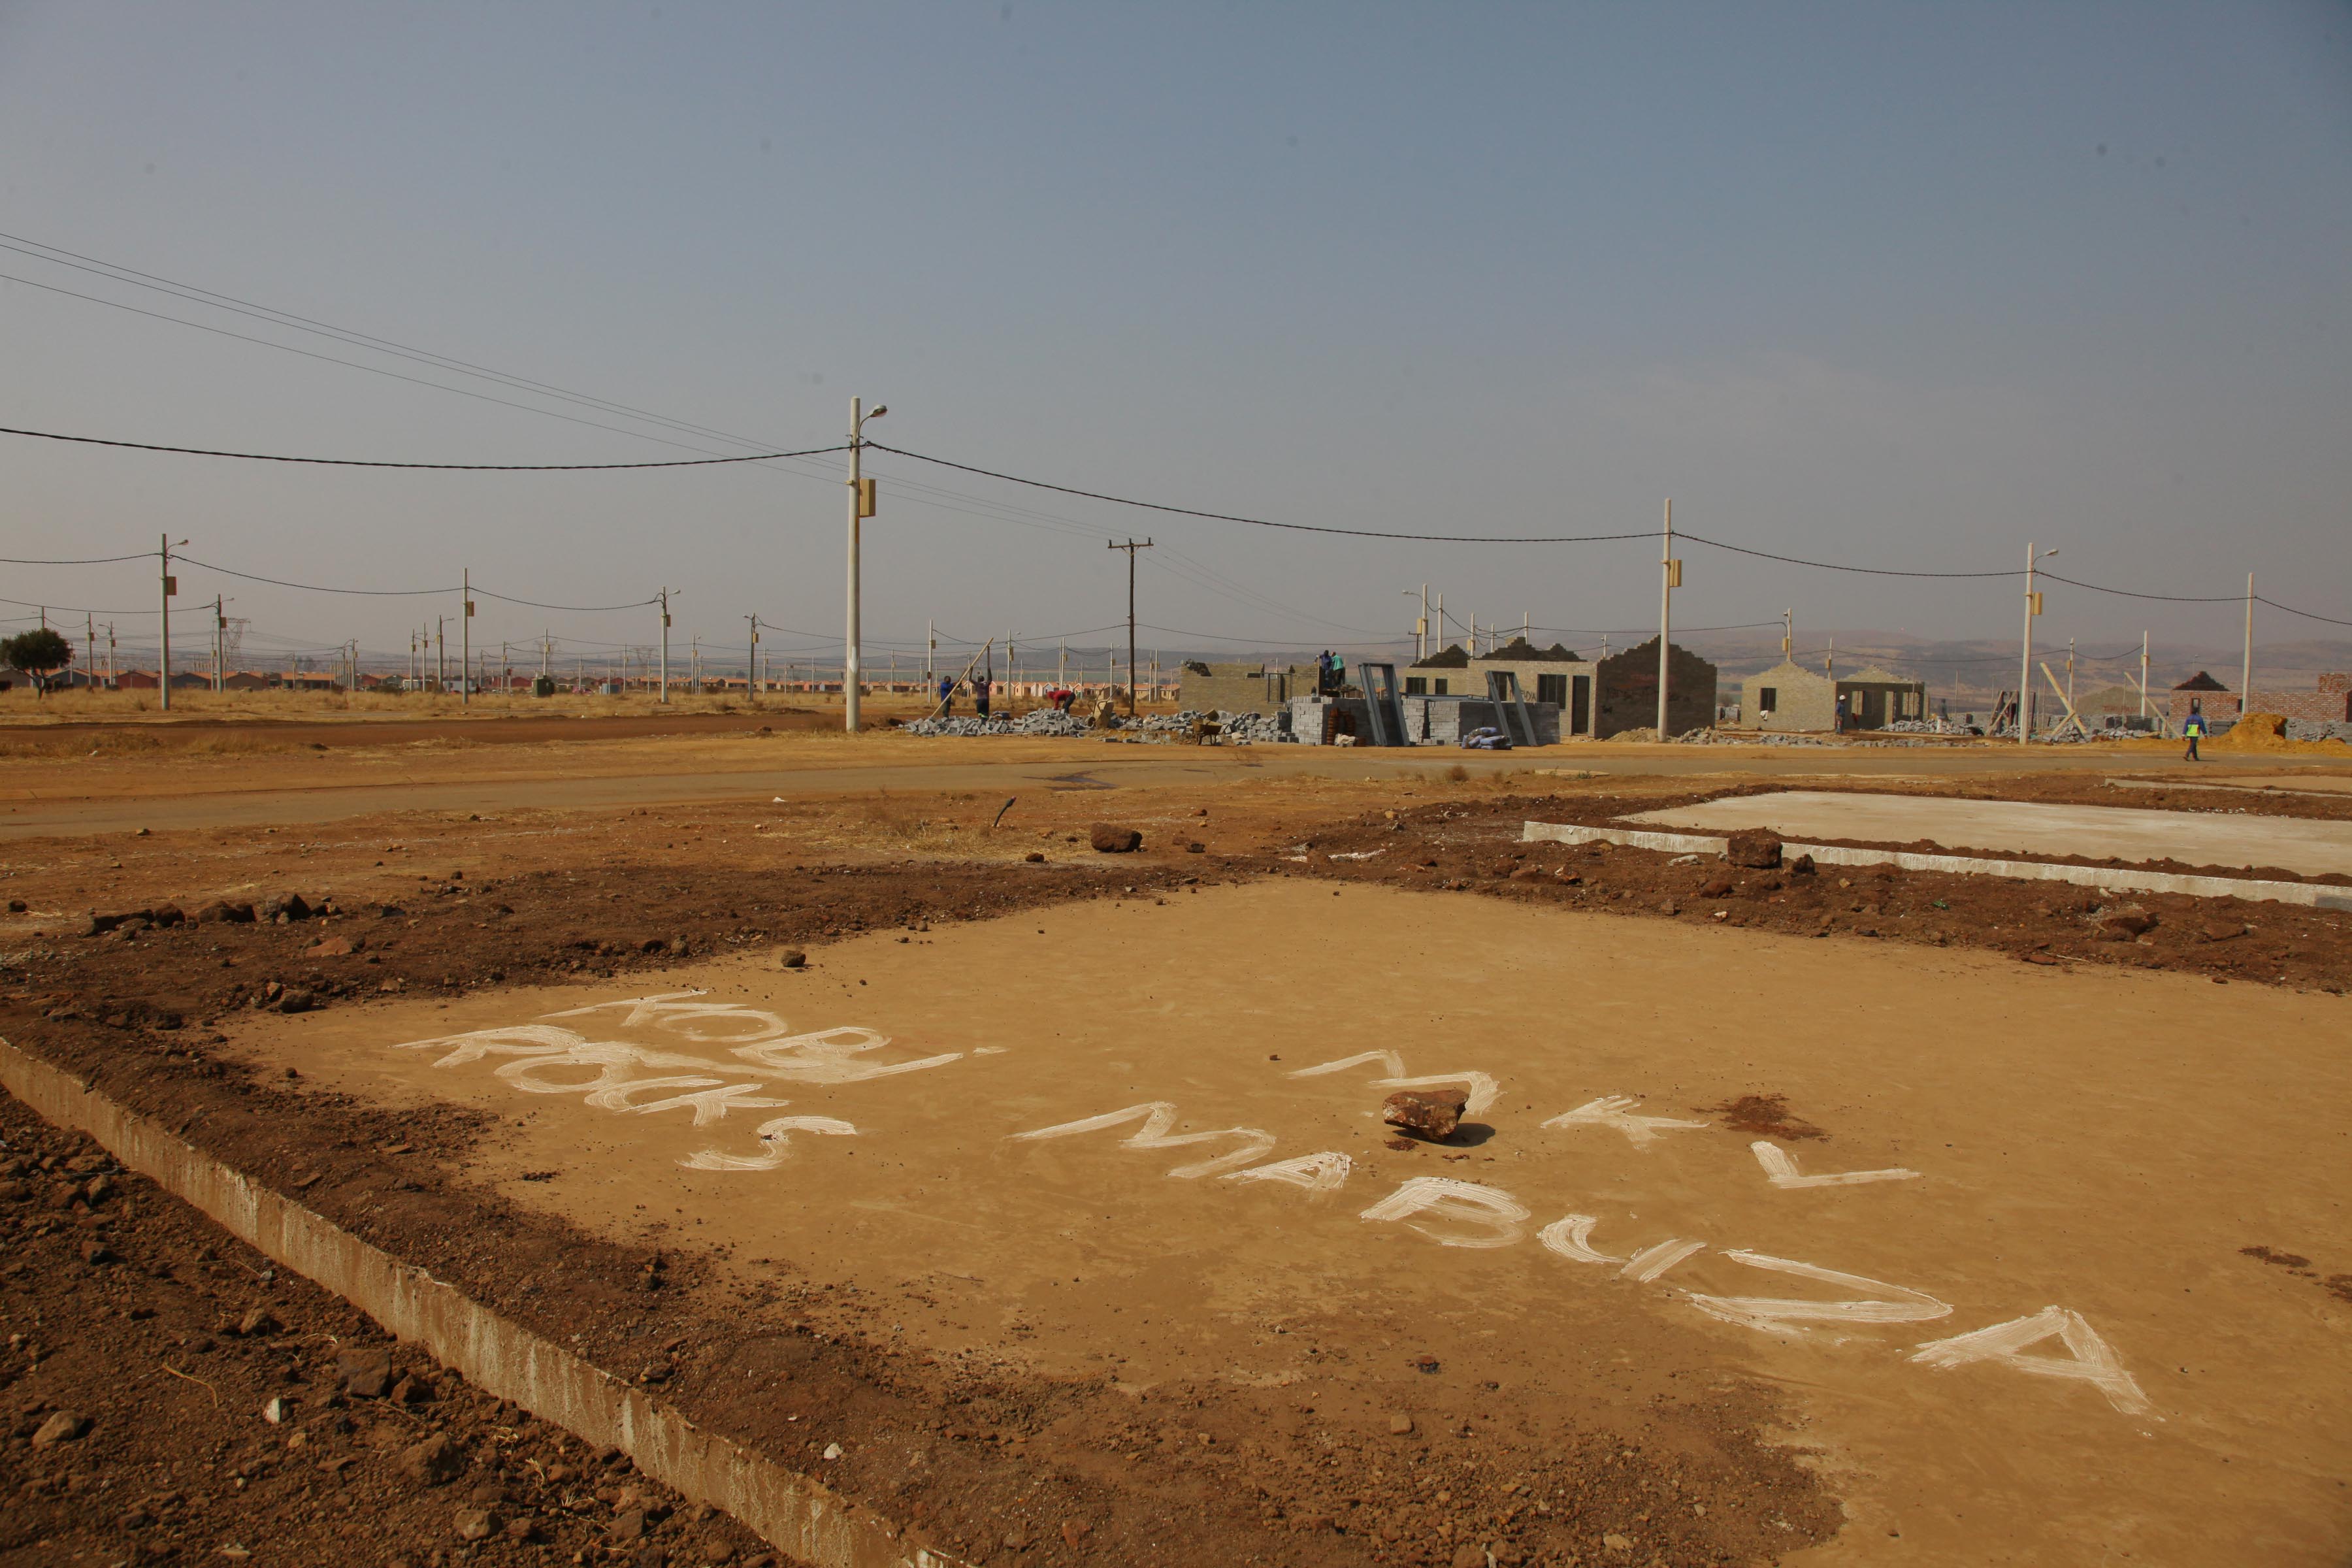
(1132, 547)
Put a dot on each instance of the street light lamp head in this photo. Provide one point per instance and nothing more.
(879, 410)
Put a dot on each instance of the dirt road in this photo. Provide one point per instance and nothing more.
(119, 794)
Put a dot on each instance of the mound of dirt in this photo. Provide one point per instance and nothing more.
(2267, 732)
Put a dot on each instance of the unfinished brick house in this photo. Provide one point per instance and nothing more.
(1258, 688)
(1788, 697)
(1626, 688)
(2328, 701)
(1554, 675)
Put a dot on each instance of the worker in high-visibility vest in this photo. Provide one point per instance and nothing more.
(2193, 727)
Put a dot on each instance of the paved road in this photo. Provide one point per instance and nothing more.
(1087, 768)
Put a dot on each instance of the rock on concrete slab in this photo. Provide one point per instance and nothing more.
(1425, 1112)
(1109, 840)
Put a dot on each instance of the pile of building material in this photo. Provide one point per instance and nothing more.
(1036, 721)
(1231, 729)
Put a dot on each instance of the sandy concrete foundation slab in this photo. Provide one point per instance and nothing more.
(1143, 1138)
(2129, 833)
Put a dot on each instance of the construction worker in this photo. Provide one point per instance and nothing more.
(2193, 727)
(947, 695)
(980, 690)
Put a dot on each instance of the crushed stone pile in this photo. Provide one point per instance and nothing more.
(1036, 721)
(1234, 729)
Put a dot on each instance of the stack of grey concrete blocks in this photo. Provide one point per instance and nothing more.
(1428, 721)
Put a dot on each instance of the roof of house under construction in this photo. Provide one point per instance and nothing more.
(2200, 681)
(1518, 651)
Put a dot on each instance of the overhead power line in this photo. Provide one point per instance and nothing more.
(1260, 522)
(85, 561)
(534, 603)
(1833, 565)
(386, 463)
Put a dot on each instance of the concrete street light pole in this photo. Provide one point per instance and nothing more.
(665, 645)
(170, 587)
(1670, 577)
(2246, 673)
(861, 505)
(2025, 662)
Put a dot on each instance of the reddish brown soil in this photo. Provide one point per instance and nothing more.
(999, 1466)
(1475, 846)
(1765, 1113)
(163, 734)
(130, 1313)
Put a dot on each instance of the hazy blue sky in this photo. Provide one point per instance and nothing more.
(1896, 284)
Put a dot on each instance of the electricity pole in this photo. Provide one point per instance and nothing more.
(1670, 577)
(220, 625)
(170, 587)
(751, 651)
(1131, 547)
(2025, 663)
(1421, 627)
(546, 653)
(664, 653)
(466, 639)
(441, 654)
(2246, 675)
(861, 505)
(2143, 674)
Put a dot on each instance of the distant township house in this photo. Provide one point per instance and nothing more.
(2329, 701)
(1259, 687)
(1788, 697)
(1597, 697)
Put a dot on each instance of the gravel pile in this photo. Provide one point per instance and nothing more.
(1036, 721)
(2317, 730)
(1233, 729)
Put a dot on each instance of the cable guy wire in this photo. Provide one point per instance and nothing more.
(85, 561)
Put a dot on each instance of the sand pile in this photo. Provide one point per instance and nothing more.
(2267, 732)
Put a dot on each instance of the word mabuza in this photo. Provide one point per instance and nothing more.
(612, 1075)
(1456, 1213)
